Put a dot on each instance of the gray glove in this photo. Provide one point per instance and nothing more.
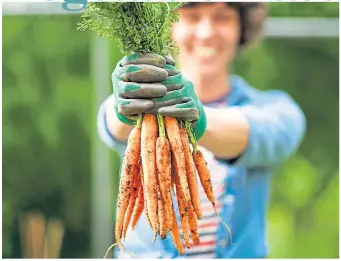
(136, 81)
(149, 83)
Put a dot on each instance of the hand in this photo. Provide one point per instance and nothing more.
(136, 81)
(149, 83)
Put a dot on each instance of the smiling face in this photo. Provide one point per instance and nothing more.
(208, 36)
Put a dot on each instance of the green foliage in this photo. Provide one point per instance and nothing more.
(140, 26)
(7, 227)
(46, 127)
(304, 9)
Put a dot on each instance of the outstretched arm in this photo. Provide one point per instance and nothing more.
(263, 132)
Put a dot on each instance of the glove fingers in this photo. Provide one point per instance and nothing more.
(176, 96)
(142, 73)
(173, 82)
(133, 106)
(167, 103)
(170, 66)
(169, 60)
(144, 58)
(171, 70)
(141, 90)
(177, 111)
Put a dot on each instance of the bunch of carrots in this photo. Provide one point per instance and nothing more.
(162, 158)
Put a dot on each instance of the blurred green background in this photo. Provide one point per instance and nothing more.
(49, 128)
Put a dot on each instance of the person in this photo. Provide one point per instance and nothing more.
(244, 132)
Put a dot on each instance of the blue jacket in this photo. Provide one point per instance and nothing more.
(277, 126)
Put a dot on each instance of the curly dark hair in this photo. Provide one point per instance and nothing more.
(252, 16)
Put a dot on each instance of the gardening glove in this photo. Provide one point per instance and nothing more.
(149, 83)
(136, 82)
(180, 101)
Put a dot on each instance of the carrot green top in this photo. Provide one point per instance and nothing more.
(138, 26)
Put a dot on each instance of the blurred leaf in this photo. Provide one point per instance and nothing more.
(305, 9)
(323, 240)
(7, 226)
(280, 231)
(298, 181)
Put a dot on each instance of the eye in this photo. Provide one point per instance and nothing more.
(221, 17)
(191, 17)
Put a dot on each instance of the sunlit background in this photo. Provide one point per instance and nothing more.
(60, 180)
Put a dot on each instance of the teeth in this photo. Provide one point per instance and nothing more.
(205, 51)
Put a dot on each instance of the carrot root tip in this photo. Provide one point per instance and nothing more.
(110, 248)
(118, 245)
(227, 227)
(131, 255)
(154, 239)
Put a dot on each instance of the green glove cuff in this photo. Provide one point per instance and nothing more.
(200, 126)
(123, 119)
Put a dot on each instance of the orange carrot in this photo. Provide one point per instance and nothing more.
(139, 202)
(164, 171)
(149, 135)
(183, 209)
(204, 175)
(201, 166)
(193, 226)
(144, 198)
(133, 196)
(173, 173)
(175, 234)
(130, 166)
(139, 206)
(191, 173)
(146, 213)
(173, 133)
(162, 216)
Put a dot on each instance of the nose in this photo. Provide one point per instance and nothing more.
(205, 29)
